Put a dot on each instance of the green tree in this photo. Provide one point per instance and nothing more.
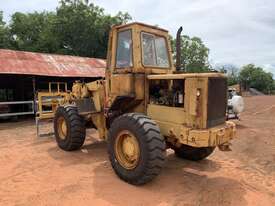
(4, 33)
(194, 54)
(231, 71)
(83, 28)
(2, 29)
(33, 31)
(77, 28)
(256, 77)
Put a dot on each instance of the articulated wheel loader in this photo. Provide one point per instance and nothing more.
(145, 105)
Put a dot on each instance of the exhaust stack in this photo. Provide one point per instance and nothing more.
(178, 49)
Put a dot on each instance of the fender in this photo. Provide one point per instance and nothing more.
(121, 105)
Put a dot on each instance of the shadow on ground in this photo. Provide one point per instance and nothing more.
(88, 154)
(180, 183)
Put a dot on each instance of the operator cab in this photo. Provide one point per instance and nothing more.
(139, 48)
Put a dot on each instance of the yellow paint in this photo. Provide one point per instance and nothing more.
(180, 125)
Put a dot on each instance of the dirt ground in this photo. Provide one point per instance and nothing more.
(35, 172)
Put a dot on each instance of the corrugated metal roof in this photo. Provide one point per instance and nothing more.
(19, 62)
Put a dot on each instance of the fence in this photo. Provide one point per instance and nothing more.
(10, 114)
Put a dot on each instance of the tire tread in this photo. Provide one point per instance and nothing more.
(148, 129)
(76, 125)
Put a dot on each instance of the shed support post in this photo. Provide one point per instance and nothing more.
(34, 95)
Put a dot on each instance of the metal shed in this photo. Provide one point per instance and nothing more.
(22, 74)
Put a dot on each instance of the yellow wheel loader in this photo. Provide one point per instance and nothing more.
(144, 106)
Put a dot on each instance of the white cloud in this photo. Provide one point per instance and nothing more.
(270, 68)
(237, 32)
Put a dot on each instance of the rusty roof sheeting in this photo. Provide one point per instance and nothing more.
(19, 62)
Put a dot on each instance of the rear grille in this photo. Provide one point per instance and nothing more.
(217, 101)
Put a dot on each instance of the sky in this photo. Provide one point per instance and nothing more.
(236, 31)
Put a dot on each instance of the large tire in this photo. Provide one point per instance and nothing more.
(74, 136)
(151, 148)
(193, 153)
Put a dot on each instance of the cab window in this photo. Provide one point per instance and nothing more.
(154, 51)
(124, 53)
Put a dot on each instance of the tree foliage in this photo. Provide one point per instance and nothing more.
(231, 71)
(4, 33)
(256, 77)
(194, 54)
(2, 27)
(77, 27)
(83, 28)
(30, 32)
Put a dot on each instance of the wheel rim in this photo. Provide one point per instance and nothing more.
(62, 127)
(127, 150)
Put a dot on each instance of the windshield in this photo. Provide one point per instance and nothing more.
(154, 51)
(124, 49)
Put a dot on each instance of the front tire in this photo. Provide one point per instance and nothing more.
(69, 128)
(136, 148)
(193, 153)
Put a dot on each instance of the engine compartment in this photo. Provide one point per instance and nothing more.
(167, 92)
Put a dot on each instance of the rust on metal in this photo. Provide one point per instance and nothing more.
(30, 63)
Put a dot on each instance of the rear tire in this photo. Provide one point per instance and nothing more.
(150, 154)
(73, 136)
(193, 153)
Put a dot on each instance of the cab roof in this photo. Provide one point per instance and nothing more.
(140, 24)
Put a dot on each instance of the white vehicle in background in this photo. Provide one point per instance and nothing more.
(235, 104)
